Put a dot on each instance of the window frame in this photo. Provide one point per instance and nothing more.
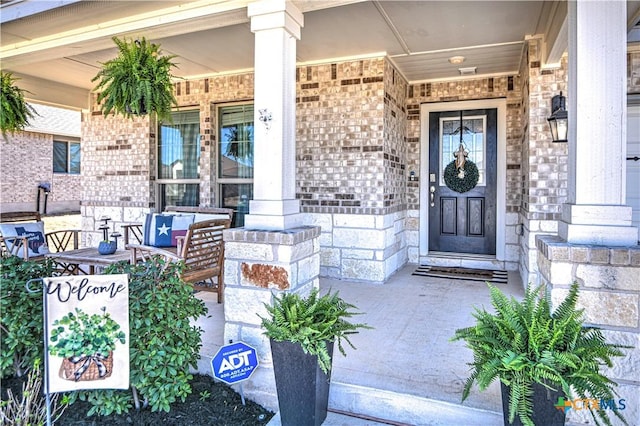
(160, 182)
(68, 160)
(221, 181)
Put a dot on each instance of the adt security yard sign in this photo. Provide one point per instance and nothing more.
(234, 363)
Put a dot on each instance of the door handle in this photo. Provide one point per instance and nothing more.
(432, 195)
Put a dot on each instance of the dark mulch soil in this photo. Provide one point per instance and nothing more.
(210, 403)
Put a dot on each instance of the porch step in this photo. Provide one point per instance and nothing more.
(355, 405)
(463, 260)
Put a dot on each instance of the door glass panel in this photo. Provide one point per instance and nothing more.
(473, 138)
(236, 196)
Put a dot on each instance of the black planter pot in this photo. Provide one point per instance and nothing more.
(544, 410)
(303, 388)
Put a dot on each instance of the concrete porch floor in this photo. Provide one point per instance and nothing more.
(405, 371)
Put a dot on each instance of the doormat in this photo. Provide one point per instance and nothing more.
(494, 277)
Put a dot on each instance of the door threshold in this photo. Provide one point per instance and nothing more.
(462, 260)
(461, 255)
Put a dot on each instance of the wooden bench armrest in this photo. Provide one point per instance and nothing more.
(143, 253)
(180, 244)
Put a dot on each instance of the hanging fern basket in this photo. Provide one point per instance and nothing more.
(461, 180)
(136, 82)
(16, 112)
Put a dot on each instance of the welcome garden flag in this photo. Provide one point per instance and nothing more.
(87, 332)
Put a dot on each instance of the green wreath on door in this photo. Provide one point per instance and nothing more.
(461, 180)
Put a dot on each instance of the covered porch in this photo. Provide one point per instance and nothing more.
(349, 142)
(405, 370)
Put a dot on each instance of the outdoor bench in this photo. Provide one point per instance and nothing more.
(201, 248)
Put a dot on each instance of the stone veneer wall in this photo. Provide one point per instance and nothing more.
(610, 296)
(544, 163)
(26, 161)
(508, 87)
(350, 165)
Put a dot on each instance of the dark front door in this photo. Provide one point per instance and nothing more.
(463, 222)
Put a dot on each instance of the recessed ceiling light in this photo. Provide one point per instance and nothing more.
(467, 71)
(456, 60)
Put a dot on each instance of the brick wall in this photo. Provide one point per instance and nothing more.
(358, 133)
(351, 156)
(350, 159)
(544, 163)
(26, 160)
(340, 133)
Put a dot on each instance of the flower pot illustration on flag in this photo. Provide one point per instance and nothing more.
(86, 344)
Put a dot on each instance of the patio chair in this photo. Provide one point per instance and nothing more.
(202, 251)
(22, 234)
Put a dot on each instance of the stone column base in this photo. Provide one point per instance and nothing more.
(610, 296)
(258, 264)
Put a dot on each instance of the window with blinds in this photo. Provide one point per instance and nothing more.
(179, 160)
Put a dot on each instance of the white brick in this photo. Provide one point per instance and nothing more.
(248, 251)
(357, 254)
(324, 221)
(245, 304)
(354, 221)
(363, 270)
(358, 238)
(330, 257)
(231, 272)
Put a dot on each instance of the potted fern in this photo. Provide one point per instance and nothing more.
(302, 333)
(540, 357)
(137, 81)
(16, 112)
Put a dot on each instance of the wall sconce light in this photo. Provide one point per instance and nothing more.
(412, 176)
(558, 122)
(265, 117)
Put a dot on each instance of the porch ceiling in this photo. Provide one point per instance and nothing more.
(66, 44)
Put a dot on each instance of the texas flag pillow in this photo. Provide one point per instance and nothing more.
(161, 230)
(34, 231)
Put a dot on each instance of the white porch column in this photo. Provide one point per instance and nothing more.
(276, 25)
(595, 212)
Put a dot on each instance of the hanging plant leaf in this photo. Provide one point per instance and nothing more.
(463, 180)
(137, 81)
(15, 111)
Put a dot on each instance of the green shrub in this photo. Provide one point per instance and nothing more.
(162, 341)
(21, 321)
